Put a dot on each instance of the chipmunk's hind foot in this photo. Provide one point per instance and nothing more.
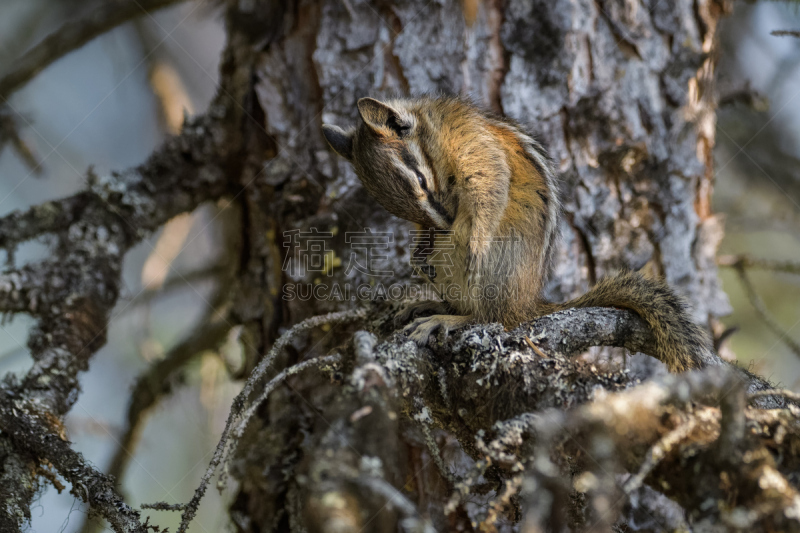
(421, 329)
(414, 309)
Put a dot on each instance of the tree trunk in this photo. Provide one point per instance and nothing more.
(621, 93)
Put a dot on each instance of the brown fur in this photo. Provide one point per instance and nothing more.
(484, 184)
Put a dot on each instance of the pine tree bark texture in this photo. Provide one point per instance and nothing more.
(487, 430)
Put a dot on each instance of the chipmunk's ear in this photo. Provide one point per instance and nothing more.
(341, 141)
(383, 118)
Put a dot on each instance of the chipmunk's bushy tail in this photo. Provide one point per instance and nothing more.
(681, 344)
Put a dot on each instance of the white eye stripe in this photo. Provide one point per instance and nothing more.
(437, 218)
(415, 170)
(409, 172)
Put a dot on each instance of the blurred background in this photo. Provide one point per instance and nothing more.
(110, 103)
(758, 181)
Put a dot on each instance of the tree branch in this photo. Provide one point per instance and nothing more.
(493, 391)
(9, 133)
(786, 33)
(81, 284)
(157, 381)
(49, 217)
(484, 380)
(746, 261)
(72, 36)
(242, 399)
(632, 422)
(37, 433)
(763, 313)
(560, 335)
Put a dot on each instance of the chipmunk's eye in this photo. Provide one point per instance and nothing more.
(421, 180)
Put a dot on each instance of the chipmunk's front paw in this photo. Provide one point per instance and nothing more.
(421, 329)
(412, 310)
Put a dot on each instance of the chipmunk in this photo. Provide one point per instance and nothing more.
(488, 194)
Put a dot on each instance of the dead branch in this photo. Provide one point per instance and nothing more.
(164, 506)
(785, 33)
(242, 399)
(49, 217)
(157, 381)
(72, 294)
(71, 36)
(747, 261)
(795, 397)
(274, 382)
(483, 379)
(495, 376)
(657, 452)
(38, 433)
(746, 95)
(178, 282)
(561, 335)
(9, 134)
(639, 415)
(293, 370)
(763, 313)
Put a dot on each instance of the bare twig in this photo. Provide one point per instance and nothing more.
(412, 521)
(73, 35)
(309, 323)
(786, 33)
(763, 313)
(657, 452)
(268, 388)
(178, 282)
(48, 217)
(277, 380)
(424, 419)
(747, 96)
(9, 133)
(28, 430)
(535, 348)
(164, 506)
(795, 397)
(240, 402)
(156, 382)
(746, 261)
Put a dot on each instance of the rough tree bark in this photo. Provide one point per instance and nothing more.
(488, 429)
